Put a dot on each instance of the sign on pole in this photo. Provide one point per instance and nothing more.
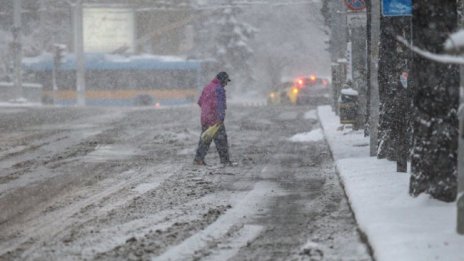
(404, 79)
(356, 19)
(108, 28)
(355, 5)
(349, 58)
(396, 7)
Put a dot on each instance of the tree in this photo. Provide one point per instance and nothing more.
(41, 28)
(219, 34)
(387, 86)
(275, 67)
(393, 62)
(205, 26)
(232, 48)
(435, 90)
(326, 13)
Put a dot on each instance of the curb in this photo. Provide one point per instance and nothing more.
(363, 236)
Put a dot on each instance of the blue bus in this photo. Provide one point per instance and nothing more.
(121, 80)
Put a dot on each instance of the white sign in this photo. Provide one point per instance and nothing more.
(356, 19)
(349, 66)
(404, 79)
(108, 29)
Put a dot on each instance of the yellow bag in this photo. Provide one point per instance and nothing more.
(210, 133)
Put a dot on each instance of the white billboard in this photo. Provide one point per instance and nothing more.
(107, 29)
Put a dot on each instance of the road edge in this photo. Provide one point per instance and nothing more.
(362, 234)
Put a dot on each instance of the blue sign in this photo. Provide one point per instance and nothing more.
(396, 7)
(356, 5)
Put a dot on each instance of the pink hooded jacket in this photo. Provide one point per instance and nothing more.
(213, 103)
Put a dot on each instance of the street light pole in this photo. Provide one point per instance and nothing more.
(357, 24)
(17, 43)
(338, 47)
(42, 24)
(79, 52)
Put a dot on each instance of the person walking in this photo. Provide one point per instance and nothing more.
(213, 111)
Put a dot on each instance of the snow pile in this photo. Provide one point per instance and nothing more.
(349, 92)
(455, 41)
(20, 102)
(310, 115)
(314, 135)
(397, 226)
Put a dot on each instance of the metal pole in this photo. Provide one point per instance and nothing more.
(17, 47)
(42, 24)
(358, 38)
(374, 91)
(460, 199)
(338, 47)
(54, 85)
(79, 53)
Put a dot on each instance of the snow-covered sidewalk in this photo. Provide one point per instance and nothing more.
(397, 226)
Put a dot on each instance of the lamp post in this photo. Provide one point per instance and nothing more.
(79, 51)
(17, 44)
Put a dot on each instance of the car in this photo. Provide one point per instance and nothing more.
(302, 90)
(311, 90)
(280, 94)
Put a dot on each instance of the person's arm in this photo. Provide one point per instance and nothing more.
(221, 103)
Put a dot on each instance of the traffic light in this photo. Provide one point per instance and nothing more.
(59, 53)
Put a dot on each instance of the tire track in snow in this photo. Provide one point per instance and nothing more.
(27, 159)
(231, 247)
(140, 229)
(50, 225)
(248, 206)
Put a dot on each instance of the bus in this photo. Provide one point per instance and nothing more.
(120, 80)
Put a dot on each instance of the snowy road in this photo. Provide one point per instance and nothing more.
(119, 184)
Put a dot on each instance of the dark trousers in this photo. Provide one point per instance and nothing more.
(221, 145)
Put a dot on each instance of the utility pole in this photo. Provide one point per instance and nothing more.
(17, 43)
(79, 52)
